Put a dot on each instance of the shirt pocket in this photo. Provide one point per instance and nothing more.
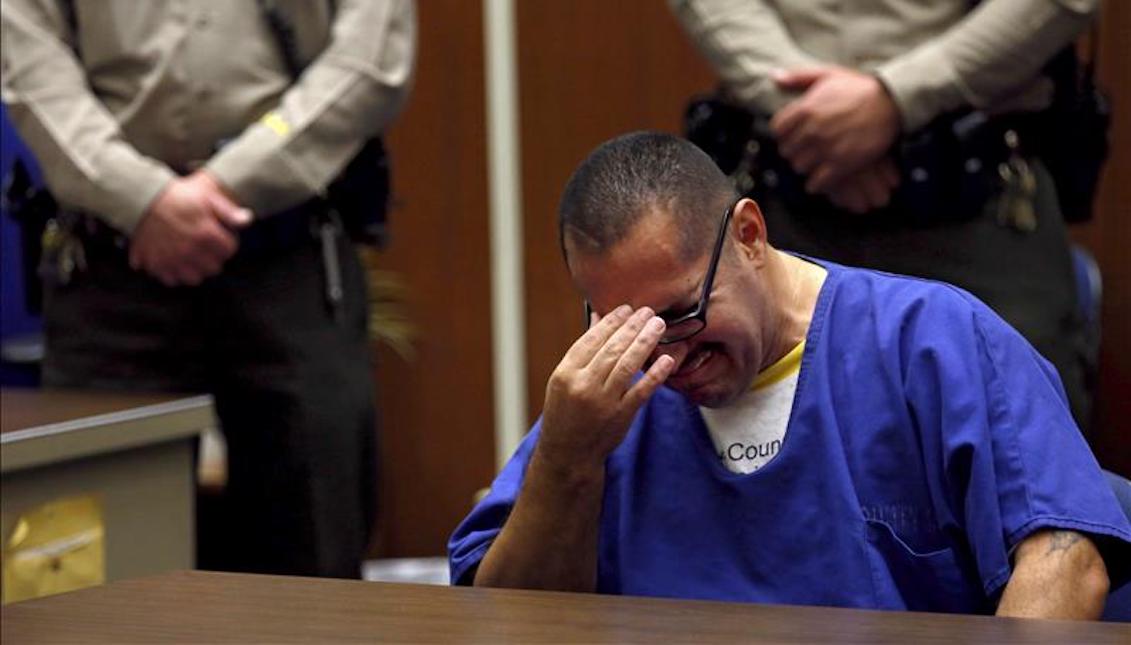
(928, 580)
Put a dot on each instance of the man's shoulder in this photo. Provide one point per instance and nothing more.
(901, 313)
(895, 294)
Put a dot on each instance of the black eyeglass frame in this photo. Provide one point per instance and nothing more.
(700, 311)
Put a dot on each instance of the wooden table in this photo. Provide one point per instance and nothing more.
(133, 451)
(203, 607)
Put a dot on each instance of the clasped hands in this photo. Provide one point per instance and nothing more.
(591, 396)
(838, 133)
(189, 231)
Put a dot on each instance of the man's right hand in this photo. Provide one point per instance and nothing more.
(188, 232)
(549, 540)
(590, 397)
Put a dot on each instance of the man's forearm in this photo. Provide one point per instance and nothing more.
(997, 48)
(744, 40)
(550, 538)
(85, 157)
(1058, 574)
(350, 91)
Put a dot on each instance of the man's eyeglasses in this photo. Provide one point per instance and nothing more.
(681, 326)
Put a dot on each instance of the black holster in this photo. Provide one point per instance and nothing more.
(360, 195)
(31, 206)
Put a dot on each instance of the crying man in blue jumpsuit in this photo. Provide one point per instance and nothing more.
(743, 424)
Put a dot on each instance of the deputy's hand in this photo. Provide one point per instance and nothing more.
(188, 232)
(843, 121)
(590, 397)
(866, 189)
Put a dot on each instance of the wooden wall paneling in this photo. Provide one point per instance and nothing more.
(437, 423)
(588, 70)
(1108, 237)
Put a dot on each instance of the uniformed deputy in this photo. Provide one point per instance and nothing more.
(187, 150)
(904, 145)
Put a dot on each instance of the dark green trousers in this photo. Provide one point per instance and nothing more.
(292, 384)
(1026, 277)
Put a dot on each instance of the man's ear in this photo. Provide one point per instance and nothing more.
(750, 229)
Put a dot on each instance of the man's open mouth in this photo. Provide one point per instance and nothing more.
(694, 362)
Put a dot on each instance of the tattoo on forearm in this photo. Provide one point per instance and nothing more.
(1063, 540)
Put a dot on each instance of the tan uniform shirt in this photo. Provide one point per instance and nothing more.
(156, 84)
(933, 55)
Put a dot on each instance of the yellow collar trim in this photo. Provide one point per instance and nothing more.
(785, 366)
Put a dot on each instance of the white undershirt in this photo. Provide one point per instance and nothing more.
(748, 433)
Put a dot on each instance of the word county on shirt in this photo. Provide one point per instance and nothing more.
(751, 455)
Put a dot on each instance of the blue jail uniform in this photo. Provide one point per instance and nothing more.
(927, 439)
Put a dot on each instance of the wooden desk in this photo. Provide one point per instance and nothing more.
(202, 607)
(134, 451)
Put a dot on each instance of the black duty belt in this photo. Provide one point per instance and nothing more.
(273, 234)
(948, 169)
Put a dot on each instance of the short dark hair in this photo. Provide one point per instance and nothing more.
(639, 173)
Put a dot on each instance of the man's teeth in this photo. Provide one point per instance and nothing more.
(696, 362)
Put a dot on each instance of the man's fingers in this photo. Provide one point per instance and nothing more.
(799, 79)
(135, 257)
(856, 200)
(801, 148)
(872, 192)
(787, 119)
(188, 274)
(228, 212)
(890, 173)
(838, 197)
(207, 266)
(823, 179)
(652, 379)
(617, 344)
(632, 359)
(223, 207)
(875, 189)
(165, 275)
(584, 348)
(219, 242)
(848, 197)
(805, 160)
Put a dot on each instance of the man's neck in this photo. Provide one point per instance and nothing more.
(797, 284)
